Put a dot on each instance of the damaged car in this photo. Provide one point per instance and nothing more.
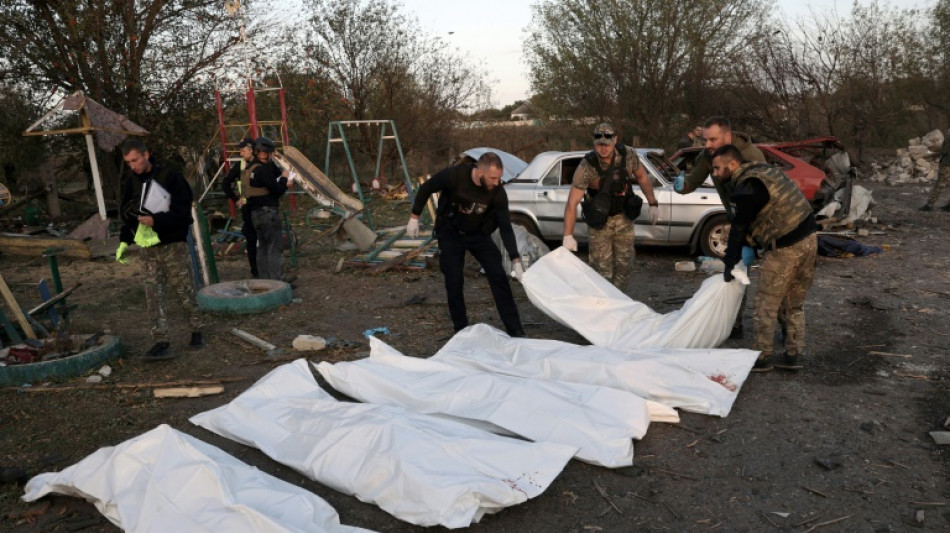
(537, 197)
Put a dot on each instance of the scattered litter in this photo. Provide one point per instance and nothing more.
(105, 371)
(268, 348)
(710, 265)
(833, 246)
(941, 437)
(188, 392)
(95, 378)
(783, 515)
(827, 463)
(309, 343)
(685, 266)
(370, 332)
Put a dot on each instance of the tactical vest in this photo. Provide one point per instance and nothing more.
(787, 206)
(620, 181)
(246, 190)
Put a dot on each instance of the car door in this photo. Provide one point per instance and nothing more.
(551, 197)
(645, 231)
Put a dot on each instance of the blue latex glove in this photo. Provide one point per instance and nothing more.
(748, 255)
(678, 182)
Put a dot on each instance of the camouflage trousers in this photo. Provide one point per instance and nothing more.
(611, 251)
(164, 265)
(785, 276)
(943, 176)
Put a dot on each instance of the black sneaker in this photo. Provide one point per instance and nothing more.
(517, 333)
(736, 332)
(160, 351)
(927, 207)
(945, 208)
(197, 341)
(762, 364)
(790, 362)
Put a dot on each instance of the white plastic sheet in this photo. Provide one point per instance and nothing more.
(421, 469)
(599, 421)
(574, 294)
(165, 480)
(700, 381)
(530, 247)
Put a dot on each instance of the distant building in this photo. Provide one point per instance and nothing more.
(523, 112)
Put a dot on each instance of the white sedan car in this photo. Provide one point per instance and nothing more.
(537, 196)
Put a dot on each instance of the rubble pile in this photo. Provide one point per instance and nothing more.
(915, 164)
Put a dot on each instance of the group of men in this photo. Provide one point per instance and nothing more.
(768, 212)
(156, 212)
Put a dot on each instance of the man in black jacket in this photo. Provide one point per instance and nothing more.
(156, 214)
(472, 203)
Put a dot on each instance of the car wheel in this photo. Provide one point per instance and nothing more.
(525, 222)
(715, 236)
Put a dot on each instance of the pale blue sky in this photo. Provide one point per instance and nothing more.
(490, 31)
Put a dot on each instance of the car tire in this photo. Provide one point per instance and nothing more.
(525, 222)
(109, 348)
(714, 236)
(244, 297)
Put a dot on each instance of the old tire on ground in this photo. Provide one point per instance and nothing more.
(525, 222)
(714, 237)
(244, 297)
(108, 349)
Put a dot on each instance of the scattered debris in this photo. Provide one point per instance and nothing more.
(918, 163)
(188, 392)
(942, 438)
(829, 522)
(827, 463)
(268, 348)
(685, 266)
(603, 493)
(370, 332)
(305, 343)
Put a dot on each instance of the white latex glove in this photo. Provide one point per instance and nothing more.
(654, 214)
(412, 228)
(570, 243)
(518, 271)
(291, 178)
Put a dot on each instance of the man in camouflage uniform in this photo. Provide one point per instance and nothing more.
(772, 213)
(943, 176)
(717, 132)
(162, 236)
(611, 246)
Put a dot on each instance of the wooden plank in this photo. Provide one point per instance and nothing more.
(17, 244)
(15, 309)
(313, 181)
(188, 392)
(53, 301)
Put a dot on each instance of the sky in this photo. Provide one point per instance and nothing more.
(490, 32)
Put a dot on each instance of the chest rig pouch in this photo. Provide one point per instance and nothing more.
(613, 196)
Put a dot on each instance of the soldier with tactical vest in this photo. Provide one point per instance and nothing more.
(604, 182)
(263, 183)
(717, 132)
(771, 213)
(234, 185)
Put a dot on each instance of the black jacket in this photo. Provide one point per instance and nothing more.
(171, 226)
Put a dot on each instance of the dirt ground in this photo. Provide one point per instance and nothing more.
(877, 381)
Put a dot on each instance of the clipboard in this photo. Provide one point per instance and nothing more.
(155, 199)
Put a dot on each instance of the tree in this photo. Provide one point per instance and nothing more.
(641, 62)
(147, 59)
(385, 70)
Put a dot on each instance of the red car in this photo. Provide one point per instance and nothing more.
(813, 164)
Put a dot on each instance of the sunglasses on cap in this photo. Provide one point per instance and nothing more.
(607, 136)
